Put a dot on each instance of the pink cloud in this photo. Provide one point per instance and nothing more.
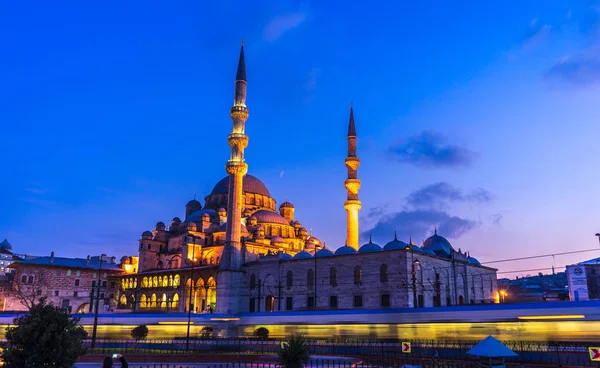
(281, 24)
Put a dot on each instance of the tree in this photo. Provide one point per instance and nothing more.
(139, 333)
(28, 287)
(45, 336)
(294, 353)
(207, 332)
(261, 333)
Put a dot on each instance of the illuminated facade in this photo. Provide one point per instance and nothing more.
(237, 253)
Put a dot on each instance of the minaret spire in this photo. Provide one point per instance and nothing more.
(236, 167)
(352, 184)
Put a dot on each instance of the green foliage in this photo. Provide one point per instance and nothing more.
(261, 333)
(207, 332)
(139, 333)
(294, 353)
(46, 336)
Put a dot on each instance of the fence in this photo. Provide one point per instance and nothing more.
(428, 352)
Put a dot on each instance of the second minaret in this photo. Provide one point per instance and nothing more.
(352, 184)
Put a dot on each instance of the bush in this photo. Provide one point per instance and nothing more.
(207, 332)
(139, 333)
(294, 353)
(45, 336)
(261, 333)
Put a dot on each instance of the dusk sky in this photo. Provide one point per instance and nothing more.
(480, 118)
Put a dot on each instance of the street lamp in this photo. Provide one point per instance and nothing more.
(503, 295)
(95, 328)
(315, 257)
(413, 272)
(598, 235)
(190, 304)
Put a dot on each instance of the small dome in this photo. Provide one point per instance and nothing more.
(369, 247)
(247, 213)
(302, 255)
(473, 261)
(303, 231)
(395, 244)
(193, 203)
(313, 241)
(6, 245)
(438, 244)
(324, 253)
(286, 204)
(285, 256)
(176, 220)
(221, 210)
(345, 250)
(147, 234)
(270, 217)
(297, 224)
(160, 225)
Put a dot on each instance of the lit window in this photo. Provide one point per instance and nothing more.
(94, 275)
(78, 273)
(68, 272)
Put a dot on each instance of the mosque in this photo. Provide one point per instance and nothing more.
(241, 253)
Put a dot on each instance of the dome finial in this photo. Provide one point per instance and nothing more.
(370, 238)
(395, 237)
(194, 196)
(410, 240)
(435, 230)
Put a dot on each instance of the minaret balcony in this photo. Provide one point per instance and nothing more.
(238, 140)
(239, 112)
(352, 163)
(352, 205)
(236, 167)
(352, 185)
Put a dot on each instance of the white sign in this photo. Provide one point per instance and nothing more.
(578, 288)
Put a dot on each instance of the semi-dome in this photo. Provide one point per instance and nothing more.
(324, 253)
(251, 184)
(270, 217)
(302, 255)
(286, 204)
(313, 241)
(197, 216)
(438, 244)
(369, 247)
(277, 239)
(5, 245)
(345, 250)
(395, 244)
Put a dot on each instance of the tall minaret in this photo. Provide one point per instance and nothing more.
(352, 204)
(229, 283)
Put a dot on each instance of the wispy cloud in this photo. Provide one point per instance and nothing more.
(497, 219)
(578, 71)
(418, 223)
(281, 24)
(536, 34)
(441, 194)
(311, 84)
(36, 190)
(430, 149)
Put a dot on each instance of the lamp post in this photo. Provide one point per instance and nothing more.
(598, 235)
(315, 257)
(95, 328)
(413, 273)
(190, 304)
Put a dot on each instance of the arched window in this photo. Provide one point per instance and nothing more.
(163, 304)
(269, 303)
(143, 301)
(332, 276)
(170, 280)
(175, 303)
(383, 273)
(289, 279)
(153, 301)
(310, 278)
(145, 282)
(135, 283)
(176, 281)
(123, 299)
(155, 281)
(357, 275)
(252, 282)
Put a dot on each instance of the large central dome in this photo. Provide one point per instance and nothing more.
(251, 185)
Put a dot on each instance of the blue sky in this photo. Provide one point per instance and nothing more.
(480, 118)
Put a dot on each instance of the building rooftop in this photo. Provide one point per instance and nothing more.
(68, 263)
